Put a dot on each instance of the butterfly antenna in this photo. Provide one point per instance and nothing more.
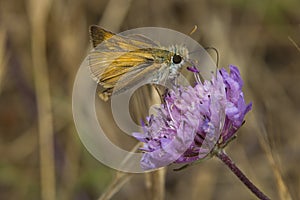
(193, 30)
(190, 33)
(217, 53)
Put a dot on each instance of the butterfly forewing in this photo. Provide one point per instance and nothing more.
(119, 62)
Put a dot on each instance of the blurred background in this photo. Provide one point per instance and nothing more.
(42, 44)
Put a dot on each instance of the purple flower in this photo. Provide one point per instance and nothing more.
(194, 121)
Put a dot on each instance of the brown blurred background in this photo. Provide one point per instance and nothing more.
(42, 43)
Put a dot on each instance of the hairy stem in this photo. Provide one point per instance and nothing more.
(230, 164)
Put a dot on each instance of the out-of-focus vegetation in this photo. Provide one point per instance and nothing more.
(42, 43)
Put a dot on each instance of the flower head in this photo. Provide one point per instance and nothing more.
(193, 121)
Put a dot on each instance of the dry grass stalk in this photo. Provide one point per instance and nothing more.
(114, 14)
(155, 183)
(3, 58)
(117, 183)
(294, 43)
(38, 14)
(283, 191)
(119, 180)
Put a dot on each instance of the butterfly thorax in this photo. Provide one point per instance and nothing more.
(170, 59)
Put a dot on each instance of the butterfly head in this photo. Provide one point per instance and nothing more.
(179, 57)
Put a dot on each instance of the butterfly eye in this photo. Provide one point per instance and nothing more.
(176, 59)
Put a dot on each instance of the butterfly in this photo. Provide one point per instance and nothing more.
(119, 62)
